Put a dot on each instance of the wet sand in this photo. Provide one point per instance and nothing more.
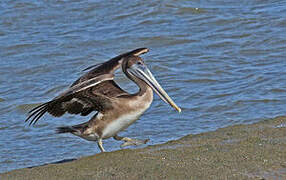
(256, 151)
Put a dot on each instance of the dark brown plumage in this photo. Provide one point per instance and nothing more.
(96, 91)
(98, 87)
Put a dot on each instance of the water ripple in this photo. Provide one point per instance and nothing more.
(221, 62)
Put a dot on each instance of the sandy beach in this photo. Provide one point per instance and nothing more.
(256, 151)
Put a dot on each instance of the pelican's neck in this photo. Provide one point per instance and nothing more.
(143, 87)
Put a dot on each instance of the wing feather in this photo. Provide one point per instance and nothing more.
(108, 67)
(91, 92)
(86, 84)
(77, 99)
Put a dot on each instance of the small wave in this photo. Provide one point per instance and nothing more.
(55, 90)
(26, 107)
(191, 10)
(257, 101)
(200, 80)
(278, 90)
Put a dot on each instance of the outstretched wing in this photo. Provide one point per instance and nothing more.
(91, 92)
(110, 66)
(82, 98)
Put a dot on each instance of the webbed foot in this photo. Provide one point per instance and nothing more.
(134, 142)
(130, 142)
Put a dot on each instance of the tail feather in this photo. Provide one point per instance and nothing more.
(65, 129)
(80, 128)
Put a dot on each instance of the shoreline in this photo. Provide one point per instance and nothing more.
(255, 151)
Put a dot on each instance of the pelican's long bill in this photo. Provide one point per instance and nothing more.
(141, 71)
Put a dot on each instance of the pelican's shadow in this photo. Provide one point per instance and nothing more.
(57, 162)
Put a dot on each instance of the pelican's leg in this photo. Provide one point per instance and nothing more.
(129, 141)
(99, 143)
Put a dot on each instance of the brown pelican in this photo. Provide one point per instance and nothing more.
(97, 91)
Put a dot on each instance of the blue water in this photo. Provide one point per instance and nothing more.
(222, 62)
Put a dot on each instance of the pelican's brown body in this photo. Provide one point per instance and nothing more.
(97, 91)
(117, 119)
